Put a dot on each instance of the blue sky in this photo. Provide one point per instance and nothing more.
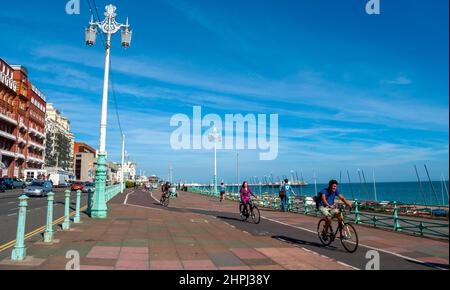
(351, 90)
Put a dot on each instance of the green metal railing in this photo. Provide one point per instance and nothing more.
(390, 221)
(112, 191)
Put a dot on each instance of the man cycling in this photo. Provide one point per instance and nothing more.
(246, 192)
(165, 189)
(326, 205)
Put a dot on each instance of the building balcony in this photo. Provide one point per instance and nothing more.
(22, 141)
(8, 119)
(35, 132)
(7, 135)
(35, 160)
(7, 153)
(33, 145)
(23, 127)
(20, 156)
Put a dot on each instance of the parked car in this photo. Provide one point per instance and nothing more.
(89, 186)
(39, 188)
(12, 183)
(2, 187)
(77, 186)
(29, 181)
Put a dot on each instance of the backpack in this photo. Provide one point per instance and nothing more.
(318, 199)
(282, 191)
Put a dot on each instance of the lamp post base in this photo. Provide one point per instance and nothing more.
(99, 208)
(99, 214)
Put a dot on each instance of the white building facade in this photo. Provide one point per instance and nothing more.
(129, 171)
(60, 140)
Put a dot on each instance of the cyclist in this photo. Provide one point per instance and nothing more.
(326, 205)
(284, 194)
(246, 192)
(165, 189)
(223, 192)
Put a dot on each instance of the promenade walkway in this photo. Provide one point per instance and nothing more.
(139, 238)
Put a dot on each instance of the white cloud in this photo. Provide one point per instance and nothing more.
(401, 80)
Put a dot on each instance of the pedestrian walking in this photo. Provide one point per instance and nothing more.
(285, 191)
(223, 192)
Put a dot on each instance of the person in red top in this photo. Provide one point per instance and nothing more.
(246, 192)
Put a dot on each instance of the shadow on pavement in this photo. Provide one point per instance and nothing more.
(72, 205)
(300, 242)
(229, 218)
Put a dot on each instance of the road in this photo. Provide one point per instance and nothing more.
(302, 237)
(36, 212)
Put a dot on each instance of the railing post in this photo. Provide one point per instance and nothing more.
(66, 223)
(20, 251)
(77, 218)
(305, 206)
(48, 235)
(357, 217)
(397, 226)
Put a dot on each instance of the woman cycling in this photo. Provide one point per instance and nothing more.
(245, 195)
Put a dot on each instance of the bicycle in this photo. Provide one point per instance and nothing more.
(165, 199)
(347, 233)
(254, 213)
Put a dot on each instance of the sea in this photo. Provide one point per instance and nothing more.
(430, 194)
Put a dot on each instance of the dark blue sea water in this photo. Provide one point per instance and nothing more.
(405, 192)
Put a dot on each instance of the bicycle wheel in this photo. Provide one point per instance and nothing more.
(243, 213)
(327, 239)
(166, 202)
(256, 216)
(349, 238)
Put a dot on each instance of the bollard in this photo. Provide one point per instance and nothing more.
(66, 223)
(20, 251)
(397, 226)
(77, 218)
(357, 218)
(89, 202)
(48, 235)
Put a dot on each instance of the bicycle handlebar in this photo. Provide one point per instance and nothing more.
(343, 208)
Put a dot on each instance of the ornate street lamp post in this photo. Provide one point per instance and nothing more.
(108, 26)
(215, 137)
